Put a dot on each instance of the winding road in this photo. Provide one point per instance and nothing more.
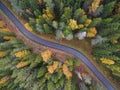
(56, 46)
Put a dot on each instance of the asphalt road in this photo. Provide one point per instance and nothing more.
(76, 53)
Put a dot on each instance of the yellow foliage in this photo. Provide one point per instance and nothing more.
(80, 26)
(28, 10)
(95, 4)
(48, 10)
(44, 0)
(46, 55)
(46, 75)
(88, 21)
(89, 34)
(27, 26)
(83, 75)
(83, 12)
(73, 24)
(4, 79)
(2, 24)
(69, 75)
(92, 32)
(50, 69)
(107, 61)
(8, 37)
(63, 36)
(44, 16)
(118, 8)
(114, 41)
(50, 16)
(66, 71)
(53, 67)
(5, 30)
(21, 54)
(48, 13)
(2, 54)
(55, 64)
(22, 64)
(66, 62)
(37, 20)
(39, 1)
(65, 68)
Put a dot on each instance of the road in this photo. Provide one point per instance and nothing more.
(76, 53)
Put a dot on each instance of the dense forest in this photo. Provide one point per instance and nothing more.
(97, 20)
(69, 19)
(21, 69)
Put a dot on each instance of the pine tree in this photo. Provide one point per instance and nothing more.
(50, 85)
(108, 8)
(41, 72)
(95, 22)
(68, 85)
(33, 5)
(110, 29)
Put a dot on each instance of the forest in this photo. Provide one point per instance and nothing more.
(96, 20)
(22, 69)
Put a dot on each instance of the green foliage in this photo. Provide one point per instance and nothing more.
(98, 51)
(52, 13)
(41, 72)
(33, 4)
(114, 36)
(57, 77)
(108, 8)
(12, 86)
(9, 44)
(115, 70)
(33, 76)
(69, 36)
(47, 28)
(55, 24)
(36, 75)
(35, 72)
(86, 4)
(109, 50)
(98, 11)
(116, 18)
(23, 4)
(37, 13)
(95, 22)
(68, 85)
(39, 28)
(77, 13)
(4, 33)
(42, 81)
(50, 85)
(16, 7)
(4, 62)
(66, 15)
(4, 73)
(110, 29)
(62, 81)
(59, 34)
(23, 72)
(36, 62)
(32, 23)
(41, 20)
(83, 19)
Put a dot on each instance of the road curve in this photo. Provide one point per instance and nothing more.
(56, 46)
